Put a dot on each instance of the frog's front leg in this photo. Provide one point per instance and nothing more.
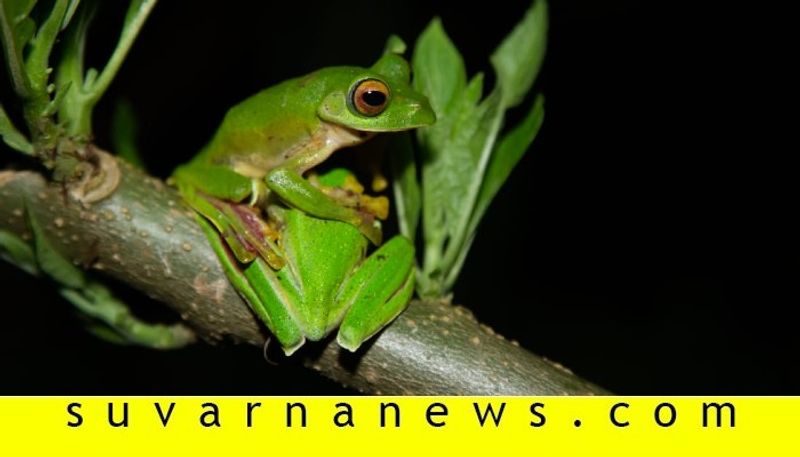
(296, 191)
(377, 292)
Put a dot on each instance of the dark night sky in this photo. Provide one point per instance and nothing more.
(644, 241)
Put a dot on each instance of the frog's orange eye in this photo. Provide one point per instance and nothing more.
(370, 97)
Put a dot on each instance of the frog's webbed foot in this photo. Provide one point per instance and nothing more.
(341, 185)
(246, 232)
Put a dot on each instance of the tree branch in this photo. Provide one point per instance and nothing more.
(144, 236)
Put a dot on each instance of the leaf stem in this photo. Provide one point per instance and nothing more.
(134, 20)
(87, 88)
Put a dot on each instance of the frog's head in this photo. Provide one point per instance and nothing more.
(379, 98)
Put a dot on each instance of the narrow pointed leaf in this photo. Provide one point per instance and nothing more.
(50, 261)
(16, 30)
(13, 137)
(15, 250)
(408, 199)
(38, 60)
(507, 154)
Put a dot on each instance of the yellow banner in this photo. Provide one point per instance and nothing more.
(399, 426)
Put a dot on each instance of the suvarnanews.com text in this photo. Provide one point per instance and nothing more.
(385, 414)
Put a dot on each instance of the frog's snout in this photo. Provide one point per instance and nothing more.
(421, 112)
(428, 114)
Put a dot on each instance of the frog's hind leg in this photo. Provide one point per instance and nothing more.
(377, 292)
(240, 225)
(257, 284)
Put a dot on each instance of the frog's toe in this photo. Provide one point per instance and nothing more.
(371, 228)
(349, 340)
(291, 348)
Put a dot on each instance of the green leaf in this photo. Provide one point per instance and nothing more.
(50, 261)
(54, 104)
(438, 66)
(507, 154)
(519, 57)
(18, 10)
(463, 167)
(97, 329)
(16, 30)
(478, 135)
(114, 321)
(42, 44)
(406, 188)
(504, 156)
(440, 74)
(17, 251)
(447, 165)
(19, 16)
(454, 151)
(12, 136)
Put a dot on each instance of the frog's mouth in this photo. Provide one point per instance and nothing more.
(362, 135)
(339, 136)
(416, 113)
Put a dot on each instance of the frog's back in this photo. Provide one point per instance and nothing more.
(263, 130)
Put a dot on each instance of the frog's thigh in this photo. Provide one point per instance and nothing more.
(215, 180)
(377, 292)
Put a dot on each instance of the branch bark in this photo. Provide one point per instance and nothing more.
(143, 236)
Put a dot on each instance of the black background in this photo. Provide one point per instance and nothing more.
(645, 241)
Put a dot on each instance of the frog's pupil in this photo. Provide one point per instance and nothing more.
(374, 98)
